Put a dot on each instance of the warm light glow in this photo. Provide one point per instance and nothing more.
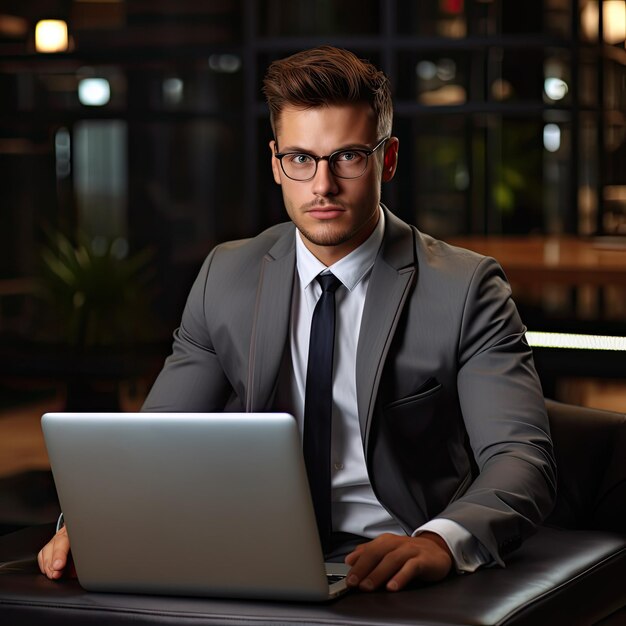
(575, 342)
(13, 26)
(501, 89)
(613, 20)
(447, 95)
(51, 36)
(616, 193)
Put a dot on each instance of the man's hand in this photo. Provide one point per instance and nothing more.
(54, 556)
(394, 560)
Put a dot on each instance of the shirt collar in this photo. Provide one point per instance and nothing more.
(351, 269)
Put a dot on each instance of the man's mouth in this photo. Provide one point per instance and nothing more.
(325, 212)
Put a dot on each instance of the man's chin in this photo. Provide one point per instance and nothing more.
(328, 238)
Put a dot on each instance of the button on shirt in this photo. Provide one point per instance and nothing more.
(355, 508)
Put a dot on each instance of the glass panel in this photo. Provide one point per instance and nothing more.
(278, 18)
(614, 210)
(29, 197)
(517, 18)
(588, 76)
(100, 172)
(485, 18)
(614, 86)
(557, 200)
(185, 195)
(186, 184)
(59, 89)
(614, 179)
(168, 23)
(208, 85)
(588, 175)
(440, 173)
(434, 78)
(514, 174)
(515, 75)
(442, 18)
(558, 17)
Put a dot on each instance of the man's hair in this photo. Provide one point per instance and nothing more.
(327, 76)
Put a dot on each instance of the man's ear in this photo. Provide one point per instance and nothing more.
(390, 162)
(275, 163)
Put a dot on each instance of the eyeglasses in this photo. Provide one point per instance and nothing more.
(350, 163)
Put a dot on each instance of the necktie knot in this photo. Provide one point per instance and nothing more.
(328, 282)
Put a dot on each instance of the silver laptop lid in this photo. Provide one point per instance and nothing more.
(192, 504)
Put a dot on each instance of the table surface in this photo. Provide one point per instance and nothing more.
(562, 260)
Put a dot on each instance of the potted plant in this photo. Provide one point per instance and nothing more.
(97, 300)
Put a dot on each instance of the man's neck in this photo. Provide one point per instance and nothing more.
(329, 255)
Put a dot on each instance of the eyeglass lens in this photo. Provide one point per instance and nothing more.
(345, 164)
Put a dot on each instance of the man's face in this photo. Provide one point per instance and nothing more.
(335, 215)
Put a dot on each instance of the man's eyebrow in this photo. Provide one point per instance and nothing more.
(351, 146)
(295, 149)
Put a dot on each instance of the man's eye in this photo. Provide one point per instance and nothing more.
(301, 159)
(349, 155)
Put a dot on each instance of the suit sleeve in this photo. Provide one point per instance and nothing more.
(505, 416)
(192, 378)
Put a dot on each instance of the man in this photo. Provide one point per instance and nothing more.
(440, 453)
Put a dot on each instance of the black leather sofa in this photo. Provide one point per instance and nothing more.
(572, 572)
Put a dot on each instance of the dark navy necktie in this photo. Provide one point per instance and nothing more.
(318, 404)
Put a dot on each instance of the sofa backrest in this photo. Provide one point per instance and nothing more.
(590, 451)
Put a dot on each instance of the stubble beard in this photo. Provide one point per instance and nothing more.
(329, 236)
(332, 234)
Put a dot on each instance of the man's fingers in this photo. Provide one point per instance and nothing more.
(413, 568)
(365, 559)
(393, 561)
(40, 561)
(52, 558)
(387, 568)
(419, 567)
(353, 557)
(60, 550)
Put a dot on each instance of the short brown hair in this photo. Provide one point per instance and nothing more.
(324, 76)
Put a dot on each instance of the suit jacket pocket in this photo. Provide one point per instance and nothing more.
(416, 415)
(429, 388)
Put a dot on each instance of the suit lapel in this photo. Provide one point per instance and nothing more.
(271, 321)
(392, 276)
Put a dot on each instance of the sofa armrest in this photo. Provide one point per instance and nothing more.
(557, 577)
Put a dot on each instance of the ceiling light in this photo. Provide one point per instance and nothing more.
(95, 92)
(51, 36)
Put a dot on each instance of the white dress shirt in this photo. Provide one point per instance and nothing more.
(355, 508)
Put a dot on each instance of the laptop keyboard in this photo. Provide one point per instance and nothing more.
(333, 578)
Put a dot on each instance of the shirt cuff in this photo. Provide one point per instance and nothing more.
(468, 553)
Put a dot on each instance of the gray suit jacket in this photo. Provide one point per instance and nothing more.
(452, 415)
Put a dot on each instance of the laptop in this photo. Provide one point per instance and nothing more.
(195, 504)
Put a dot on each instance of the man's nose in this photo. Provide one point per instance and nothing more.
(324, 181)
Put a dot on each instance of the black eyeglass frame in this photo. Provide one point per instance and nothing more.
(366, 152)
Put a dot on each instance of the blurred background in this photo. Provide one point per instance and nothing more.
(133, 138)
